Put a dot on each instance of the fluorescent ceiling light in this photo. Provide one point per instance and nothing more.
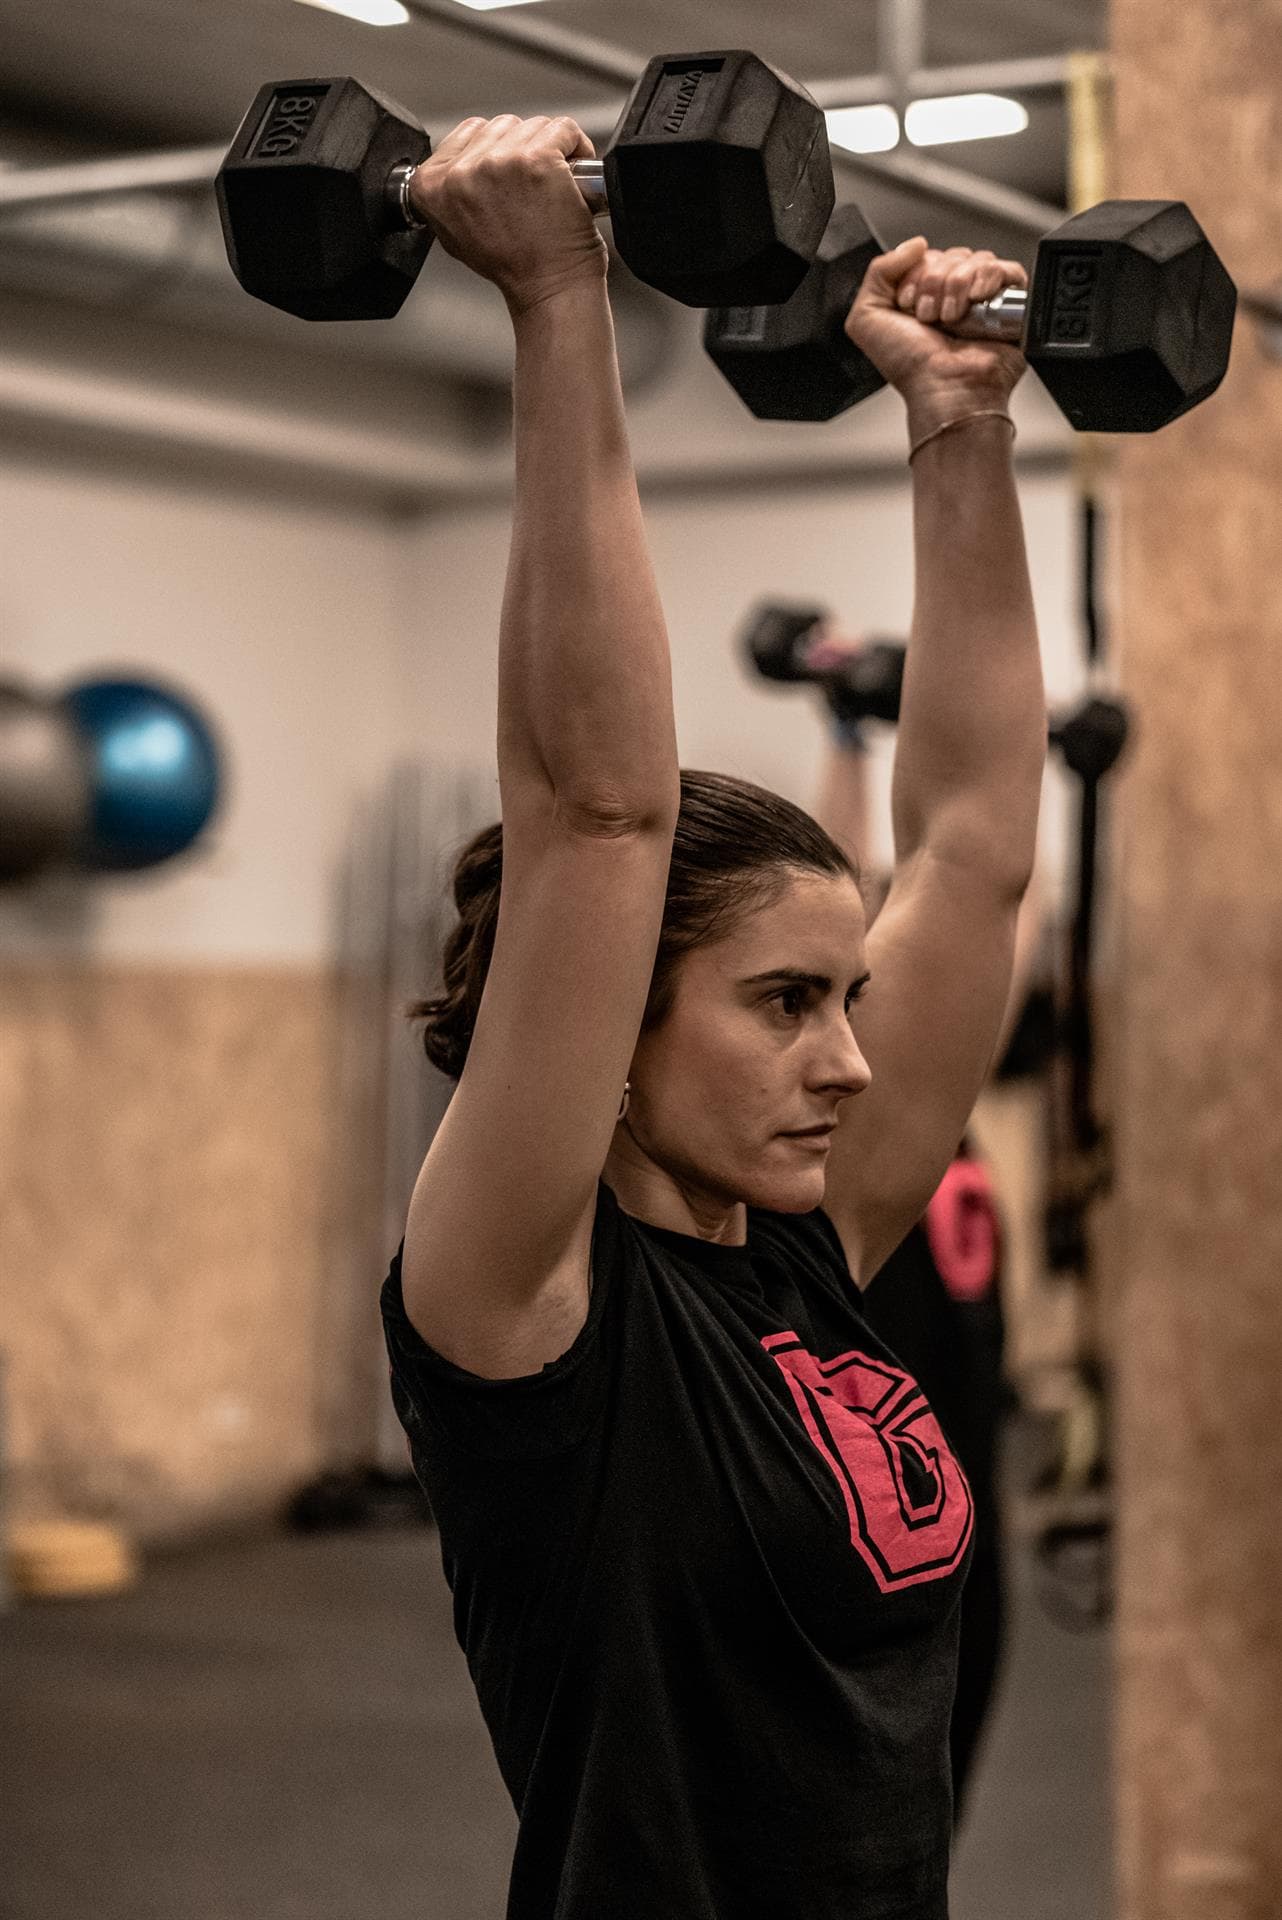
(928, 123)
(372, 13)
(863, 129)
(962, 116)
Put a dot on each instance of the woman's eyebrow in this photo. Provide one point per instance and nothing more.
(797, 978)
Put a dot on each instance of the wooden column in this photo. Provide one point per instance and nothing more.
(1198, 1041)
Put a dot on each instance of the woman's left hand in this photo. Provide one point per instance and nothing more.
(907, 300)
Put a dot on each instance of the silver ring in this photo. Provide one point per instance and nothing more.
(409, 214)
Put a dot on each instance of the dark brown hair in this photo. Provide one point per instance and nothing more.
(735, 848)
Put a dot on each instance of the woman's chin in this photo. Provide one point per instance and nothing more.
(799, 1190)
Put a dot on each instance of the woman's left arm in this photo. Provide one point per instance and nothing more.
(969, 755)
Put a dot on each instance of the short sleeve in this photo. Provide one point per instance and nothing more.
(443, 1406)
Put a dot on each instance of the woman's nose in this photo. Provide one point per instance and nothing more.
(862, 1073)
(851, 1072)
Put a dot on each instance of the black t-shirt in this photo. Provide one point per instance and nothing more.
(953, 1349)
(706, 1571)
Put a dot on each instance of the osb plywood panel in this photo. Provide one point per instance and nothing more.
(1199, 1242)
(175, 1192)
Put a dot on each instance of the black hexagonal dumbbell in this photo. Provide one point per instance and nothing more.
(795, 361)
(865, 686)
(718, 181)
(1128, 322)
(868, 685)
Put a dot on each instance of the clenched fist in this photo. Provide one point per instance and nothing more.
(908, 297)
(500, 197)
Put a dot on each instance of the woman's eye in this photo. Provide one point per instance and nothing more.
(789, 997)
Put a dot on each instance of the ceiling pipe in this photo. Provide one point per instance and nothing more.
(163, 254)
(22, 188)
(396, 470)
(192, 167)
(594, 59)
(901, 41)
(100, 408)
(1037, 76)
(597, 60)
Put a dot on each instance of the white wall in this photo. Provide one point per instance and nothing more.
(846, 547)
(283, 621)
(330, 635)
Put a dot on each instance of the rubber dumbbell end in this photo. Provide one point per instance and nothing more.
(1131, 316)
(719, 179)
(796, 361)
(308, 218)
(775, 638)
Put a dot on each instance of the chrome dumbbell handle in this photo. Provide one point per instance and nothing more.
(1004, 317)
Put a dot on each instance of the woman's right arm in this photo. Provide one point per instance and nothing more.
(585, 677)
(497, 1248)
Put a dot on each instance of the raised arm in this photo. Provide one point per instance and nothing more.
(581, 609)
(496, 1266)
(842, 809)
(969, 757)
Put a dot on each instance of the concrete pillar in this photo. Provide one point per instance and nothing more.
(1198, 1042)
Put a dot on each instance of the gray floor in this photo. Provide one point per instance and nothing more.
(285, 1730)
(1036, 1841)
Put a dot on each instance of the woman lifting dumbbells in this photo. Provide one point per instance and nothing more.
(705, 1536)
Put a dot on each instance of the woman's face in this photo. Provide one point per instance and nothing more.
(747, 1056)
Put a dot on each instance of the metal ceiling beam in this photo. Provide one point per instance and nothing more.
(96, 179)
(574, 52)
(956, 188)
(30, 187)
(1041, 74)
(901, 47)
(542, 39)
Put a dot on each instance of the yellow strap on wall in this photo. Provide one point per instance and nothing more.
(1088, 100)
(1088, 104)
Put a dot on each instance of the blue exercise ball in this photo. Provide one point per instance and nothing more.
(156, 772)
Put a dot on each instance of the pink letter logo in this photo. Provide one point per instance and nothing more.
(909, 1503)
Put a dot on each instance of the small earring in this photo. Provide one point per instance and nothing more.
(627, 1095)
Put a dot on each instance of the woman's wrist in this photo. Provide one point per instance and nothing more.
(971, 422)
(534, 306)
(934, 409)
(847, 736)
(845, 725)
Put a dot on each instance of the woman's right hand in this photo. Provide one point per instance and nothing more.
(500, 197)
